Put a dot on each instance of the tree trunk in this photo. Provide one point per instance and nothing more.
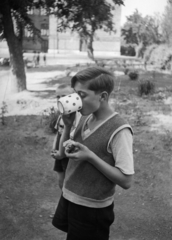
(18, 81)
(140, 50)
(90, 49)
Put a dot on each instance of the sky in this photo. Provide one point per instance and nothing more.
(145, 7)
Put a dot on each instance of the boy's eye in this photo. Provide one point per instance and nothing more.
(81, 94)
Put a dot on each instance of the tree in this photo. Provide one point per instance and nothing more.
(86, 17)
(13, 19)
(83, 16)
(166, 24)
(141, 31)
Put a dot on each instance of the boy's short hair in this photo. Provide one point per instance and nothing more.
(99, 79)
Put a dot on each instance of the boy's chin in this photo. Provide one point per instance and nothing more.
(83, 113)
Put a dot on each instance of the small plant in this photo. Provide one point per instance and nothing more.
(3, 112)
(167, 139)
(51, 116)
(139, 120)
(146, 87)
(133, 75)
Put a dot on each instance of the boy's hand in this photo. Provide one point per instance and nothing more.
(79, 152)
(69, 146)
(69, 119)
(55, 154)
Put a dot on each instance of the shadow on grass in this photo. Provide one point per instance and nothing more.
(50, 83)
(43, 94)
(57, 80)
(122, 83)
(48, 68)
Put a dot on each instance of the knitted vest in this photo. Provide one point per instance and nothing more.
(82, 178)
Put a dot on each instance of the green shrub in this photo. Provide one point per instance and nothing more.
(146, 87)
(133, 75)
(128, 50)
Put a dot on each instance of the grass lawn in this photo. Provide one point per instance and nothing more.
(29, 189)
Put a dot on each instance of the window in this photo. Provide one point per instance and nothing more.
(44, 29)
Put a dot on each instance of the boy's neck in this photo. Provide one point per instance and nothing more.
(103, 113)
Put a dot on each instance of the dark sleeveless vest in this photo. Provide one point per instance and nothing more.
(82, 178)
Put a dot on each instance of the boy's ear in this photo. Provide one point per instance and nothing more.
(104, 96)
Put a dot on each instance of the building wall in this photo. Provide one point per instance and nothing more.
(54, 41)
(41, 22)
(70, 41)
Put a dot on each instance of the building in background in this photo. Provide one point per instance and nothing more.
(52, 41)
(41, 22)
(70, 41)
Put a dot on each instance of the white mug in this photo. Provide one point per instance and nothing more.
(69, 104)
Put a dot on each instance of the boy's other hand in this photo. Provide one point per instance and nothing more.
(55, 154)
(79, 153)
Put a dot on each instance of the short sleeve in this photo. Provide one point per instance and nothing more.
(121, 146)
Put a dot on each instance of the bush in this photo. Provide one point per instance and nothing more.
(128, 50)
(133, 75)
(146, 87)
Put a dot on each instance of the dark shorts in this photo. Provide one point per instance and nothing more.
(83, 223)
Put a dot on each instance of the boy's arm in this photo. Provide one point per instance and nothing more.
(56, 142)
(112, 173)
(68, 122)
(119, 174)
(57, 137)
(55, 152)
(65, 136)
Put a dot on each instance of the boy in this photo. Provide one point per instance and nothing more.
(61, 163)
(102, 159)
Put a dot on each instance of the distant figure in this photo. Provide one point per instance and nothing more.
(34, 60)
(45, 60)
(37, 59)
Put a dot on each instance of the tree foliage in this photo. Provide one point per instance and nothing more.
(166, 23)
(14, 19)
(83, 16)
(86, 17)
(19, 13)
(141, 30)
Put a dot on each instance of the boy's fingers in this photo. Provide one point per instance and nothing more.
(79, 145)
(71, 155)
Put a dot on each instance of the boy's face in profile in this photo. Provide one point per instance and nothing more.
(62, 92)
(90, 99)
